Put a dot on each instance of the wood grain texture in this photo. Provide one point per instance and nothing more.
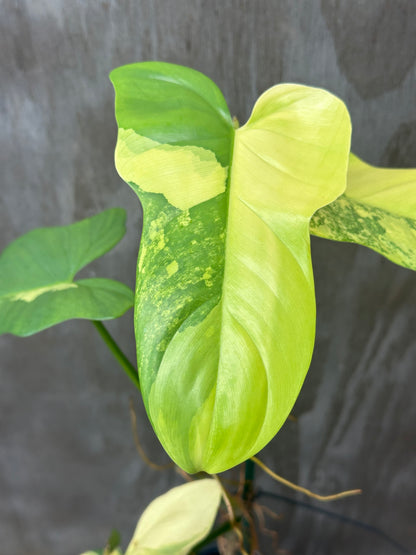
(68, 469)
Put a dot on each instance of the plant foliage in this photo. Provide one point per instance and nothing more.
(225, 311)
(37, 270)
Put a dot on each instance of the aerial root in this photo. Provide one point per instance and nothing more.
(259, 511)
(305, 491)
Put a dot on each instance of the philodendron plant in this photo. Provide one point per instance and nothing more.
(225, 304)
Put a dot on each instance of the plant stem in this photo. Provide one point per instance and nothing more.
(117, 352)
(226, 527)
(248, 480)
(247, 495)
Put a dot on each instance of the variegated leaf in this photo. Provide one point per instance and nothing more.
(225, 308)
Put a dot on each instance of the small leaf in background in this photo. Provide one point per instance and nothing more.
(178, 520)
(377, 210)
(225, 311)
(37, 270)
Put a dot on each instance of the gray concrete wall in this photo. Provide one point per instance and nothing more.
(68, 468)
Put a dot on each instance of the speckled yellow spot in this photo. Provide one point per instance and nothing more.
(161, 242)
(172, 268)
(157, 226)
(185, 175)
(184, 218)
(207, 277)
(157, 233)
(142, 254)
(29, 296)
(162, 345)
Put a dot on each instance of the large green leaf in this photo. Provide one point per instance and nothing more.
(377, 210)
(178, 520)
(37, 287)
(225, 310)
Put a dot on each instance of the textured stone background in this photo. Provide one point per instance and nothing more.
(68, 468)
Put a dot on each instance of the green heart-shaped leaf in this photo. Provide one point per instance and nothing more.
(37, 270)
(225, 311)
(377, 210)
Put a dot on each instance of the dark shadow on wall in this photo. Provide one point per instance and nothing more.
(375, 42)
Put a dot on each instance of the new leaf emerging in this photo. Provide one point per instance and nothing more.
(178, 520)
(174, 522)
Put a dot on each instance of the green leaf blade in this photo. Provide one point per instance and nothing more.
(178, 286)
(225, 310)
(36, 276)
(377, 210)
(174, 105)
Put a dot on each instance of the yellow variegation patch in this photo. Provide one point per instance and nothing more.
(185, 175)
(32, 294)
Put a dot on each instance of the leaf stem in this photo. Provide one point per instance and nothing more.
(117, 352)
(247, 497)
(226, 527)
(248, 480)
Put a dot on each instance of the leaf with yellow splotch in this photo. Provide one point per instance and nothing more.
(37, 270)
(184, 175)
(377, 210)
(225, 307)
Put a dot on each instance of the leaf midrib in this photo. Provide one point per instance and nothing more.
(226, 248)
